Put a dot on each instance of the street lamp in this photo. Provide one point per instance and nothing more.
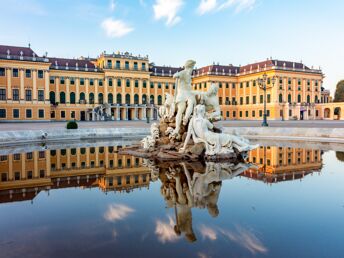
(262, 83)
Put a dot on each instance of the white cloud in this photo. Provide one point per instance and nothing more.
(206, 6)
(117, 212)
(116, 28)
(165, 231)
(208, 232)
(112, 5)
(246, 239)
(168, 9)
(239, 5)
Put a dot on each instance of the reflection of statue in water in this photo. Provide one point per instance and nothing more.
(188, 185)
(200, 129)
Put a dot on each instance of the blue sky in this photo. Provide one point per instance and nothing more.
(171, 31)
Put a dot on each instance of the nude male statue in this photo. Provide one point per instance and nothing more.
(184, 96)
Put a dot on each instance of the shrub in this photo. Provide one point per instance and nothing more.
(72, 125)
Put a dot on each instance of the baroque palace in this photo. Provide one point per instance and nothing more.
(120, 86)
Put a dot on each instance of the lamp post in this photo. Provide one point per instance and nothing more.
(262, 83)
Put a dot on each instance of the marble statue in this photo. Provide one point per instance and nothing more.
(166, 109)
(200, 130)
(150, 140)
(184, 100)
(211, 102)
(190, 114)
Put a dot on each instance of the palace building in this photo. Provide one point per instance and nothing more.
(121, 86)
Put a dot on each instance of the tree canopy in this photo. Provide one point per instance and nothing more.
(339, 94)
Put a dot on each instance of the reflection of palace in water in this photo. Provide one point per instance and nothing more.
(276, 164)
(24, 175)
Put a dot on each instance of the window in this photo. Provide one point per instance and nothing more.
(260, 113)
(28, 95)
(15, 113)
(261, 98)
(110, 82)
(3, 177)
(15, 72)
(234, 114)
(82, 81)
(253, 113)
(28, 73)
(119, 82)
(241, 100)
(63, 152)
(72, 98)
(227, 113)
(127, 83)
(28, 113)
(220, 85)
(241, 85)
(135, 66)
(240, 113)
(280, 98)
(72, 81)
(269, 98)
(152, 85)
(268, 112)
(92, 150)
(220, 100)
(136, 83)
(41, 113)
(41, 173)
(40, 74)
(29, 155)
(40, 95)
(16, 175)
(166, 85)
(52, 114)
(63, 114)
(127, 180)
(15, 94)
(233, 85)
(16, 156)
(100, 82)
(52, 80)
(83, 151)
(247, 100)
(247, 84)
(109, 64)
(126, 64)
(144, 66)
(62, 97)
(118, 64)
(2, 71)
(3, 157)
(41, 154)
(144, 84)
(91, 82)
(246, 113)
(254, 100)
(2, 94)
(2, 113)
(159, 85)
(72, 114)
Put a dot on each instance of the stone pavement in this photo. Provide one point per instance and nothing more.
(143, 124)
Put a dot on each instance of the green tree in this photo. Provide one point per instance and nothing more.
(339, 94)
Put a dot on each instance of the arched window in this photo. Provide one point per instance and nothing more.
(127, 99)
(110, 98)
(136, 99)
(91, 98)
(289, 98)
(82, 97)
(100, 98)
(151, 99)
(316, 100)
(280, 98)
(308, 99)
(119, 98)
(72, 98)
(299, 98)
(62, 97)
(52, 97)
(159, 100)
(144, 99)
(127, 83)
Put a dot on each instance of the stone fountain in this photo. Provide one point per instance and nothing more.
(186, 129)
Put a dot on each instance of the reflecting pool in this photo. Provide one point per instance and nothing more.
(87, 200)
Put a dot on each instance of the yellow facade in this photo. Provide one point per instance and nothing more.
(125, 87)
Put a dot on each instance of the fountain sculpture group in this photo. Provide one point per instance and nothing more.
(186, 129)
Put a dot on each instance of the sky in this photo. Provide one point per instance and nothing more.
(235, 32)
